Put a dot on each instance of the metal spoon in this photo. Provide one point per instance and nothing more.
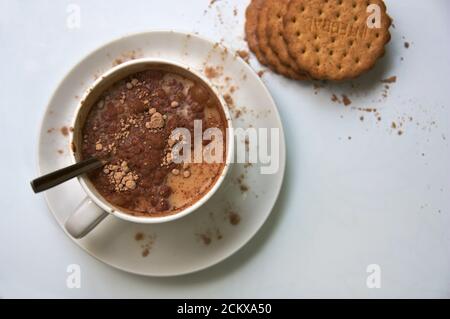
(64, 174)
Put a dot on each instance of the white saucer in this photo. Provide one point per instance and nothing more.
(182, 246)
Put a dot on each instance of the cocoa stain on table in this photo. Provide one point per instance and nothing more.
(391, 79)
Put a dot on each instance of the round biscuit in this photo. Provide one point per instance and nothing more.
(263, 42)
(335, 39)
(251, 21)
(276, 10)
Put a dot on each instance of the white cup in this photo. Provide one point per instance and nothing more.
(94, 208)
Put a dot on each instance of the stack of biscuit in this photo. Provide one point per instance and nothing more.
(317, 39)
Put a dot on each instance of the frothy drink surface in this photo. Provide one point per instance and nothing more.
(133, 121)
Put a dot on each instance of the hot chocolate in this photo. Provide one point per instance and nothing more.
(131, 124)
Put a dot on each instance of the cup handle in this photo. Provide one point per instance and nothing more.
(84, 219)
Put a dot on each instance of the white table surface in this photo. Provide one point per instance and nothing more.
(377, 198)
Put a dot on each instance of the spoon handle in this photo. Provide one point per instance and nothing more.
(64, 174)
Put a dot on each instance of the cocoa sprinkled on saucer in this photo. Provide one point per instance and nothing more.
(205, 238)
(64, 131)
(139, 236)
(212, 72)
(234, 218)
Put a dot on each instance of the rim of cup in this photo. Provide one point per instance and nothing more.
(115, 74)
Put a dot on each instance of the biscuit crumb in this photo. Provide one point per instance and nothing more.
(391, 79)
(346, 100)
(244, 55)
